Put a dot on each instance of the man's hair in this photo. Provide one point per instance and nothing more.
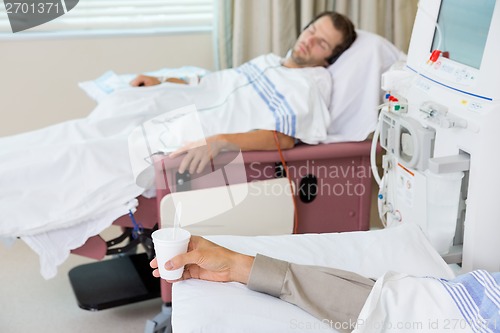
(343, 24)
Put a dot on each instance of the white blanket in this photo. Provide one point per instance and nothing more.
(79, 171)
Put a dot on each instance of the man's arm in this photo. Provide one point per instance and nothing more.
(256, 140)
(332, 295)
(198, 154)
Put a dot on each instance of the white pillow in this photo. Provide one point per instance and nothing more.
(356, 86)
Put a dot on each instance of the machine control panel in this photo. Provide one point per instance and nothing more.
(451, 71)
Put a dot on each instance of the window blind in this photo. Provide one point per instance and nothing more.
(122, 15)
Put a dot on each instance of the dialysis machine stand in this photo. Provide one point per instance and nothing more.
(441, 167)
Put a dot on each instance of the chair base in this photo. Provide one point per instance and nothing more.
(114, 282)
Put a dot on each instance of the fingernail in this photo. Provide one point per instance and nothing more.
(168, 265)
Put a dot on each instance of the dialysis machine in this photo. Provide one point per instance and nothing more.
(440, 127)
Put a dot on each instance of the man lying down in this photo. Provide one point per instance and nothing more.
(62, 184)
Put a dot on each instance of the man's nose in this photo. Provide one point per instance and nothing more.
(310, 41)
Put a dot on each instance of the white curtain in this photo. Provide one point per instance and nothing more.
(248, 28)
(392, 19)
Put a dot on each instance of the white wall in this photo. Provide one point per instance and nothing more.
(38, 78)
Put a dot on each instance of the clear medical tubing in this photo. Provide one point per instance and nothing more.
(373, 163)
(373, 151)
(438, 29)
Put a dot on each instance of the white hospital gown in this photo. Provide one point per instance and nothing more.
(468, 303)
(79, 171)
(261, 94)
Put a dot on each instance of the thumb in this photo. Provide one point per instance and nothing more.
(135, 82)
(182, 260)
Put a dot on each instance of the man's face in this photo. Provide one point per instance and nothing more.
(316, 43)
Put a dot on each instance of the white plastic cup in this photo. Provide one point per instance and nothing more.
(166, 247)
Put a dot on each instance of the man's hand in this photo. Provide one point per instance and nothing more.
(144, 80)
(208, 261)
(199, 153)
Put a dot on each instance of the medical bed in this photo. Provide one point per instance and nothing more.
(327, 178)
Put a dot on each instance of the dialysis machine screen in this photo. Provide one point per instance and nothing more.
(463, 29)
